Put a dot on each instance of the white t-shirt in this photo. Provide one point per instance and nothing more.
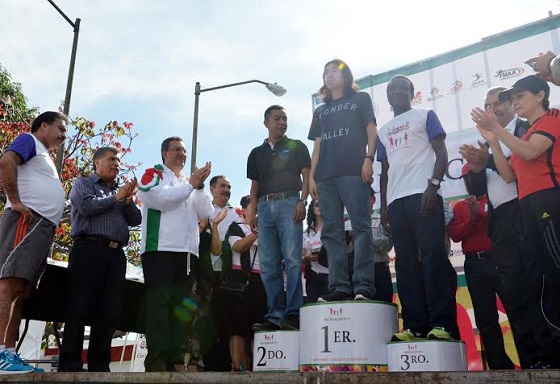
(405, 142)
(312, 244)
(499, 191)
(39, 187)
(231, 217)
(236, 256)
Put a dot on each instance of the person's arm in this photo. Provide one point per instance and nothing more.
(253, 207)
(8, 174)
(155, 193)
(314, 162)
(429, 197)
(476, 157)
(133, 215)
(367, 166)
(383, 194)
(244, 243)
(527, 150)
(216, 242)
(500, 160)
(300, 211)
(304, 164)
(83, 197)
(546, 66)
(462, 225)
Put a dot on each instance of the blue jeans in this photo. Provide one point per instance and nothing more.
(280, 238)
(335, 194)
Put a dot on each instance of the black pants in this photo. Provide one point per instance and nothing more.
(426, 280)
(517, 287)
(484, 282)
(316, 285)
(383, 283)
(541, 226)
(167, 286)
(96, 282)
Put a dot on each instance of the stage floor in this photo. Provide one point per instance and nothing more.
(527, 376)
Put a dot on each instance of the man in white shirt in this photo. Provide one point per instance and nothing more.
(172, 205)
(413, 155)
(35, 203)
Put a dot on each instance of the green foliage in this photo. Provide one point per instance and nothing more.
(13, 103)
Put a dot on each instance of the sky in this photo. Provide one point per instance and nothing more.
(138, 60)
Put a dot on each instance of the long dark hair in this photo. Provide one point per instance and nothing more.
(349, 86)
(311, 217)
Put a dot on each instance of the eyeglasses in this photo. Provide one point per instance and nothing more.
(316, 204)
(177, 150)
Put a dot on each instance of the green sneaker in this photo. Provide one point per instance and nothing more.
(405, 335)
(439, 333)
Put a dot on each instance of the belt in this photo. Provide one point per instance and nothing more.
(101, 240)
(278, 195)
(477, 255)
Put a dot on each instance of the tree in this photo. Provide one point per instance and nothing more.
(16, 118)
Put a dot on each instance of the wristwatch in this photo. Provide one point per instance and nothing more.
(435, 182)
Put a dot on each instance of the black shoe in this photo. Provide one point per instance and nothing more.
(335, 296)
(266, 326)
(363, 295)
(290, 324)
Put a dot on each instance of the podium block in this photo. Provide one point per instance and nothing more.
(427, 355)
(276, 351)
(346, 336)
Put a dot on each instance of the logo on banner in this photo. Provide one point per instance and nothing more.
(335, 314)
(504, 74)
(456, 87)
(435, 94)
(269, 340)
(478, 80)
(417, 98)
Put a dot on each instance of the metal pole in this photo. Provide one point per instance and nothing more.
(274, 88)
(195, 125)
(60, 152)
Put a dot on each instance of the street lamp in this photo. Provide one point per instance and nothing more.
(276, 89)
(66, 110)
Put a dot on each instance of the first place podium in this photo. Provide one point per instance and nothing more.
(349, 336)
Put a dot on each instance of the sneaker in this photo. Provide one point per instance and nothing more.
(406, 335)
(439, 333)
(17, 358)
(363, 295)
(335, 296)
(266, 326)
(290, 324)
(11, 365)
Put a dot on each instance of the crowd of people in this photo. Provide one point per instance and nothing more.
(214, 274)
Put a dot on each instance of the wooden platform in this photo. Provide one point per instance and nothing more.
(527, 376)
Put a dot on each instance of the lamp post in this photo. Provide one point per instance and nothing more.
(76, 26)
(272, 87)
